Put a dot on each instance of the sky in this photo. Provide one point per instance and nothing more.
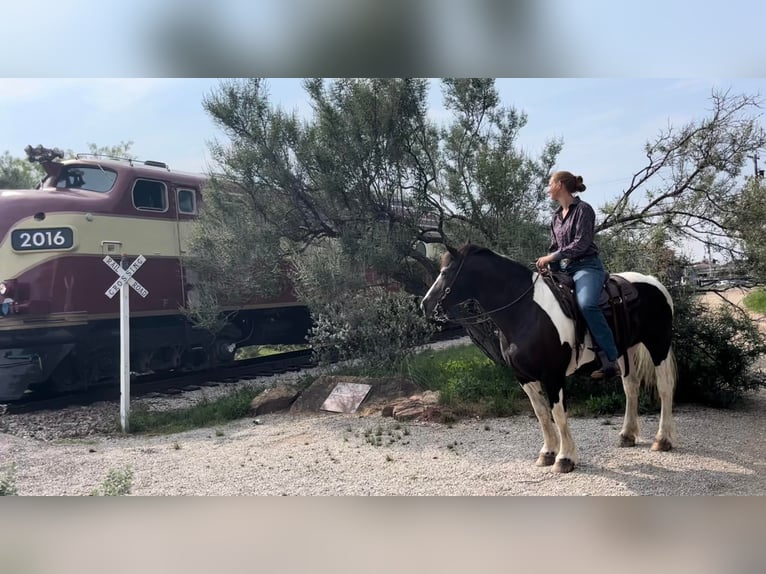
(604, 123)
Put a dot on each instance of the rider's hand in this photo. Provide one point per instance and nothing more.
(543, 261)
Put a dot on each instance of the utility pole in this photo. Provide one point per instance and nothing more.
(756, 172)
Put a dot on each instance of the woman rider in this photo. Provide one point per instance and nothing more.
(572, 248)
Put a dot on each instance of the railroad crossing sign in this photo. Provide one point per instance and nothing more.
(125, 276)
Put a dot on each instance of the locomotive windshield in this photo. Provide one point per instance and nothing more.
(85, 177)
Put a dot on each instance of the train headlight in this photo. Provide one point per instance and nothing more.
(8, 288)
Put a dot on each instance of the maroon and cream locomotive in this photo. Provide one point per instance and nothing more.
(58, 329)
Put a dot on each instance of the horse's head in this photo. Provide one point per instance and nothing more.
(451, 286)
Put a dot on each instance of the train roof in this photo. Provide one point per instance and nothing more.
(137, 168)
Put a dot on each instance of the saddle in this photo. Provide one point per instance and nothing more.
(617, 298)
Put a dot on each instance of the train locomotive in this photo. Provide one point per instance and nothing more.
(59, 331)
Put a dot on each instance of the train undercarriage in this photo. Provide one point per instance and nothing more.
(59, 359)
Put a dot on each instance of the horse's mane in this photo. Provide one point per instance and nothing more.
(470, 249)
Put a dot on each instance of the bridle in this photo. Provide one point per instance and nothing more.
(480, 317)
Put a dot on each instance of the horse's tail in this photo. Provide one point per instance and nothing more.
(644, 366)
(661, 379)
(647, 372)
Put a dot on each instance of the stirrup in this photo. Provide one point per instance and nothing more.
(607, 370)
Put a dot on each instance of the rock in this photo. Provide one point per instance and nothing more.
(274, 399)
(416, 408)
(388, 410)
(408, 410)
(422, 409)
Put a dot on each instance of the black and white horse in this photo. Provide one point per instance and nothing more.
(539, 344)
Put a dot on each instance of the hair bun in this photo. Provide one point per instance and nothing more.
(579, 185)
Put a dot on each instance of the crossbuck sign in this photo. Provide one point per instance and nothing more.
(125, 278)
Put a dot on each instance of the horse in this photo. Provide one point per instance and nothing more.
(538, 342)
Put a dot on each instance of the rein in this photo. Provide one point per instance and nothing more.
(484, 315)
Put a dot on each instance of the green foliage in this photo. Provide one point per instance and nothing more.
(755, 301)
(18, 173)
(121, 150)
(118, 482)
(748, 218)
(254, 351)
(691, 182)
(589, 397)
(467, 381)
(205, 413)
(373, 325)
(236, 258)
(356, 315)
(373, 172)
(716, 350)
(8, 480)
(499, 191)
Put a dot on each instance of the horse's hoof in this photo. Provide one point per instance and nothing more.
(662, 444)
(546, 459)
(563, 465)
(626, 441)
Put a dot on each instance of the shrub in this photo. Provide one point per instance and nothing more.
(8, 481)
(716, 350)
(468, 381)
(118, 482)
(374, 325)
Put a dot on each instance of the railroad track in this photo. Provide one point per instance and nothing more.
(176, 383)
(171, 383)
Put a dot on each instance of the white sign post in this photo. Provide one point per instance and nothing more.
(125, 279)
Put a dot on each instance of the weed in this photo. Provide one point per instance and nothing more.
(206, 413)
(118, 482)
(8, 480)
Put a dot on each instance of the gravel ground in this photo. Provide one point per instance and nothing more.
(71, 451)
(68, 453)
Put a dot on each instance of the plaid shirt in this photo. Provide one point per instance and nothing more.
(572, 236)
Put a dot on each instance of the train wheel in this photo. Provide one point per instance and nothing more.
(225, 350)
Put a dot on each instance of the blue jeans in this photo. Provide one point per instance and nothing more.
(589, 275)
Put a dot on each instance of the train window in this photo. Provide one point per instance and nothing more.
(187, 201)
(150, 195)
(88, 178)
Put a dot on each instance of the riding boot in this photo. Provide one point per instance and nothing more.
(608, 368)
